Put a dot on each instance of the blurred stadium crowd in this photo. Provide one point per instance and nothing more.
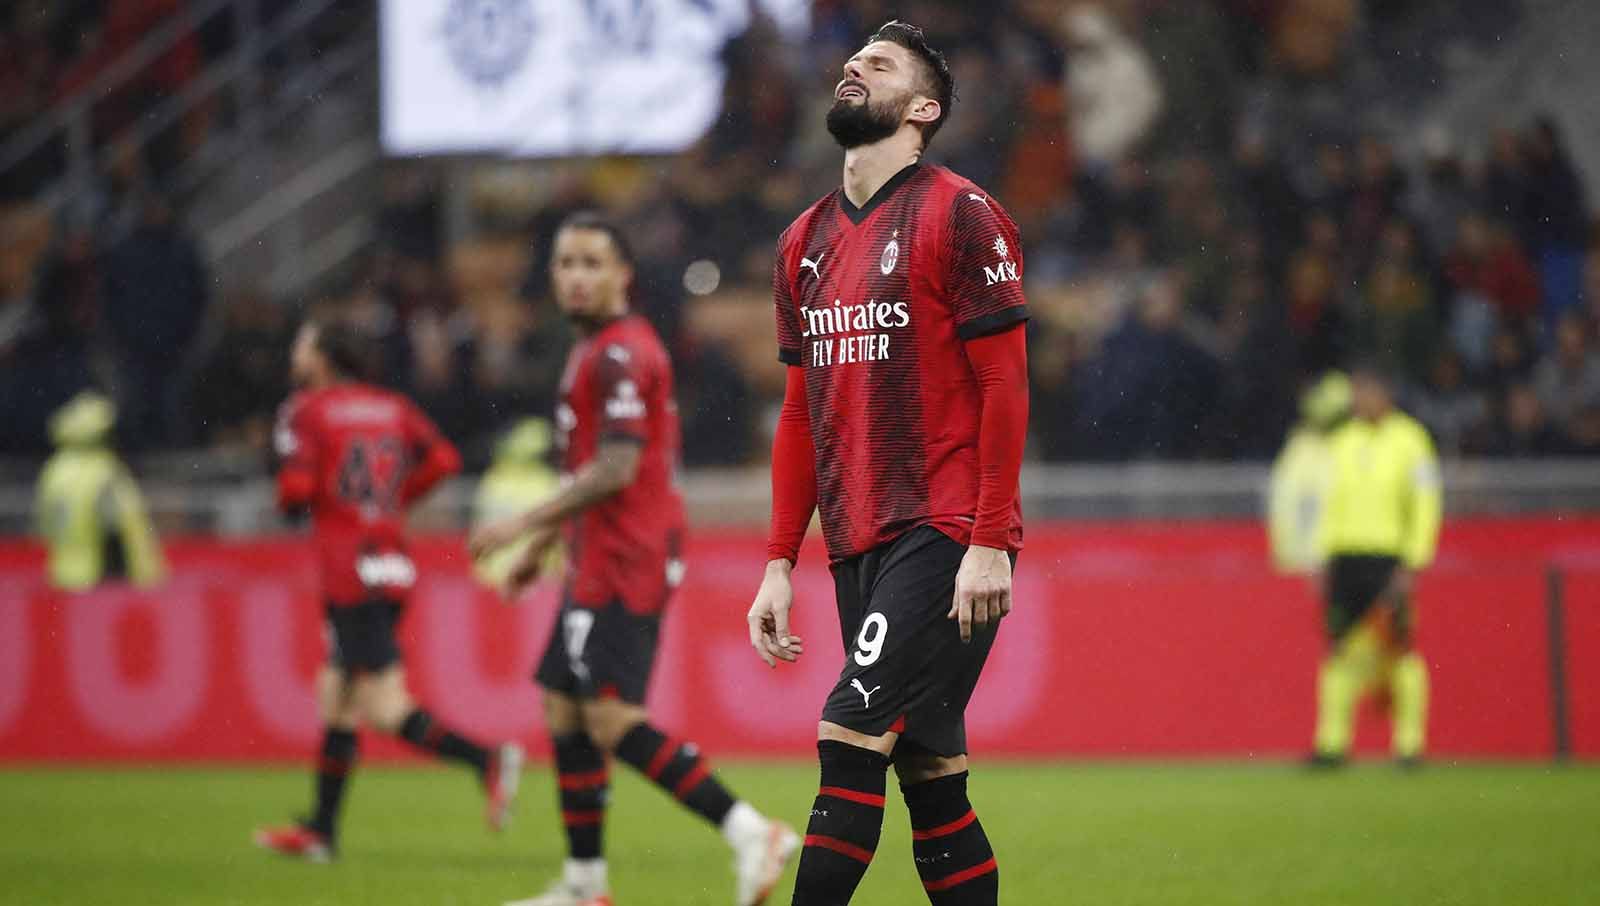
(1214, 207)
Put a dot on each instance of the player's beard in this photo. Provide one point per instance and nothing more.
(854, 125)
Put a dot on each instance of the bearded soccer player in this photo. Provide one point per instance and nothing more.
(617, 429)
(357, 456)
(901, 317)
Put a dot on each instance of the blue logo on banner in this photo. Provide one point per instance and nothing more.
(489, 40)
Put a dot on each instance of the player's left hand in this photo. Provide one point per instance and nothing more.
(983, 589)
(1401, 584)
(526, 570)
(490, 538)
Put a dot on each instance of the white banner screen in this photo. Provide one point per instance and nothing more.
(538, 78)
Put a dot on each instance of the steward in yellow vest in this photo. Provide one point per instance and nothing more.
(89, 511)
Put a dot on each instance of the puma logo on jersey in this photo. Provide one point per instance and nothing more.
(866, 697)
(816, 266)
(976, 197)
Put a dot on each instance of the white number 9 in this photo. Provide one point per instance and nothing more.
(871, 647)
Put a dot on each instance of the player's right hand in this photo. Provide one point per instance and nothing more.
(769, 617)
(530, 564)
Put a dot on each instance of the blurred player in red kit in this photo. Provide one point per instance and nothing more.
(901, 316)
(356, 457)
(617, 431)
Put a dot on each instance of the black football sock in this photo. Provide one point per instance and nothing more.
(846, 820)
(952, 852)
(333, 770)
(582, 781)
(420, 730)
(676, 766)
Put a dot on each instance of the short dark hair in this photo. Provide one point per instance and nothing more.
(348, 349)
(941, 83)
(594, 220)
(1369, 366)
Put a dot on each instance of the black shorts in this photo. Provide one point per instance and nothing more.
(604, 652)
(361, 637)
(905, 665)
(1355, 585)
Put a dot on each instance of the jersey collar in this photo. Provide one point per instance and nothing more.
(856, 214)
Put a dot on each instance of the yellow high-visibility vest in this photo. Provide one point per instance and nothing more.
(1385, 497)
(88, 505)
(1297, 499)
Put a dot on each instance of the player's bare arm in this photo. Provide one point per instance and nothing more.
(614, 467)
(769, 616)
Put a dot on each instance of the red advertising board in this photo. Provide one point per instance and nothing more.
(1128, 640)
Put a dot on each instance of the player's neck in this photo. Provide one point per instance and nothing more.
(589, 325)
(868, 167)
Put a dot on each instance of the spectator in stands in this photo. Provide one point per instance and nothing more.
(1558, 219)
(241, 381)
(156, 292)
(1442, 196)
(1257, 381)
(27, 68)
(1332, 186)
(1487, 262)
(515, 357)
(1314, 317)
(1374, 198)
(1455, 413)
(1267, 195)
(1053, 356)
(66, 290)
(439, 375)
(1568, 385)
(714, 398)
(1591, 285)
(1112, 88)
(1398, 322)
(1521, 428)
(45, 335)
(1150, 385)
(1505, 182)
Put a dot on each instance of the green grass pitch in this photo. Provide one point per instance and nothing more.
(1070, 833)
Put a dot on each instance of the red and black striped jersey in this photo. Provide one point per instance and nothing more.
(875, 303)
(618, 387)
(357, 456)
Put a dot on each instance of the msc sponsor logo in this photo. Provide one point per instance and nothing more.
(1003, 272)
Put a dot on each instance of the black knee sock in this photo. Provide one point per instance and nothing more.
(333, 769)
(846, 820)
(953, 855)
(582, 781)
(420, 730)
(676, 766)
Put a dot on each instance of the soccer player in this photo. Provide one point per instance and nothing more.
(357, 456)
(617, 430)
(1380, 528)
(900, 315)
